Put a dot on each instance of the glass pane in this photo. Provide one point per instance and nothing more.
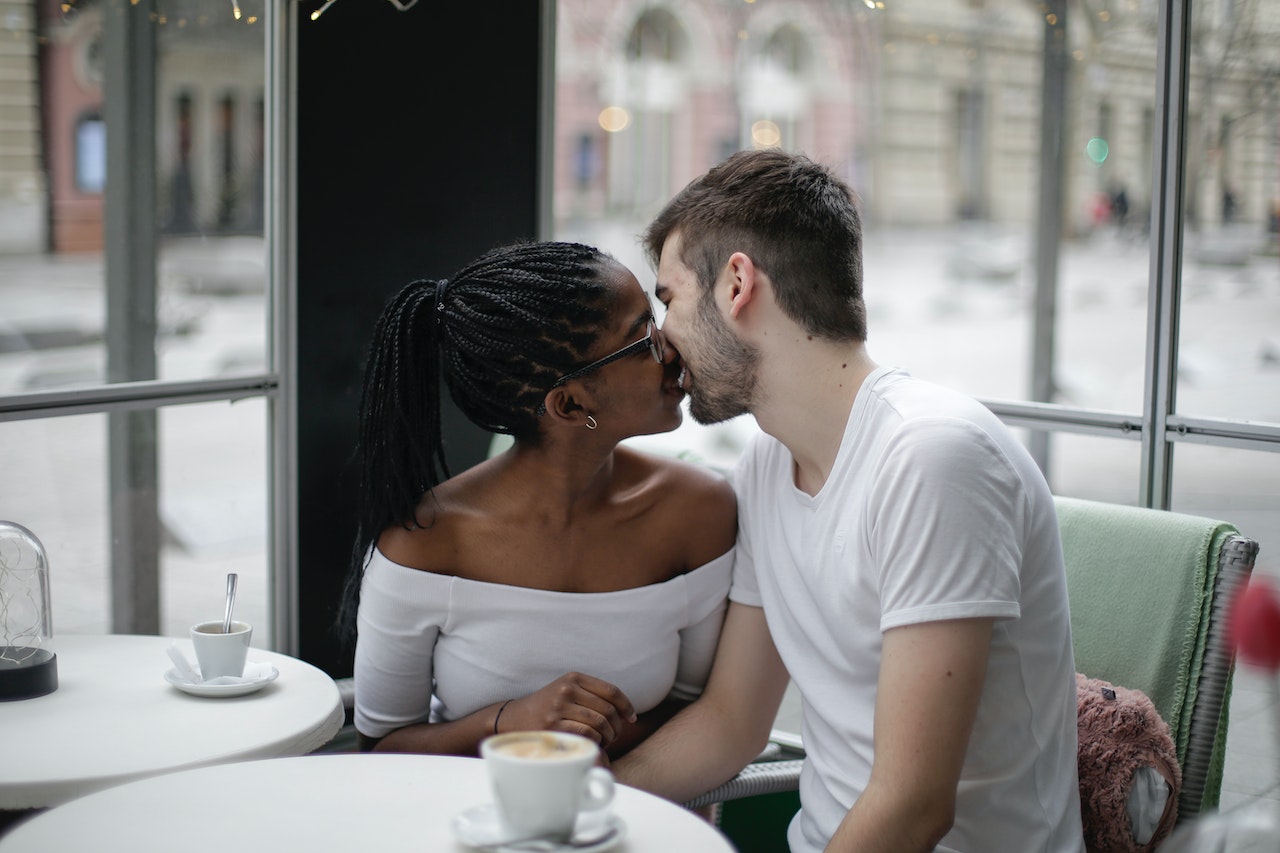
(1229, 353)
(56, 486)
(211, 505)
(933, 113)
(192, 307)
(1238, 486)
(214, 514)
(1093, 467)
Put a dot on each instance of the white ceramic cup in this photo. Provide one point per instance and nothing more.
(221, 654)
(542, 781)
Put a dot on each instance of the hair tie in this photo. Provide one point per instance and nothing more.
(440, 286)
(499, 715)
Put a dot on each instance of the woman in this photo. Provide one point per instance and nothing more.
(567, 583)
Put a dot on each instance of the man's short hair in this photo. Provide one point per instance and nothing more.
(793, 217)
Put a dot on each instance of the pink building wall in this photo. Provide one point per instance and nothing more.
(67, 94)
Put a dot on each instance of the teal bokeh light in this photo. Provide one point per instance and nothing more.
(1097, 150)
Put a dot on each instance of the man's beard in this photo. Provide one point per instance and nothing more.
(726, 369)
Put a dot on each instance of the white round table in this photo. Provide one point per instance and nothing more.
(316, 803)
(114, 718)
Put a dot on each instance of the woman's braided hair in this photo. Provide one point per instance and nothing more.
(501, 331)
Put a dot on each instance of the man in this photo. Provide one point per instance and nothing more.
(897, 547)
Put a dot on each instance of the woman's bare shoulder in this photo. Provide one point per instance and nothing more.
(427, 542)
(699, 502)
(673, 472)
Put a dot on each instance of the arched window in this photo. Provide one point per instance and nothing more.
(656, 37)
(654, 88)
(778, 89)
(788, 49)
(91, 152)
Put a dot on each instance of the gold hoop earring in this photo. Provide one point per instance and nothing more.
(591, 423)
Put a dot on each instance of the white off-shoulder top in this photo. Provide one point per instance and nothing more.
(435, 647)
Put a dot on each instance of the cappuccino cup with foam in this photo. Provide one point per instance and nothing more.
(542, 781)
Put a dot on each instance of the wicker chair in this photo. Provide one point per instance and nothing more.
(1123, 565)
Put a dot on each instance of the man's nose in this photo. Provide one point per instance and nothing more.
(669, 351)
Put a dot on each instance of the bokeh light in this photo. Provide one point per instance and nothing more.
(765, 134)
(1097, 150)
(614, 119)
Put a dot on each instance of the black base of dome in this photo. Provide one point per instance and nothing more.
(36, 675)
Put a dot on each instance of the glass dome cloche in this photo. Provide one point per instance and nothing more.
(28, 665)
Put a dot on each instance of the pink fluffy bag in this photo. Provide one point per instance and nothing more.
(1120, 734)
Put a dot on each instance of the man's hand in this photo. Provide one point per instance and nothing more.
(712, 739)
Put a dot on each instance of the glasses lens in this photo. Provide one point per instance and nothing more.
(656, 345)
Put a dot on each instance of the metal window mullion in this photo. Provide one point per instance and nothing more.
(1210, 431)
(546, 119)
(281, 208)
(1224, 432)
(1164, 291)
(132, 396)
(1050, 417)
(1053, 98)
(129, 223)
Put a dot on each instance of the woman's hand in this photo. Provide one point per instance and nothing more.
(575, 703)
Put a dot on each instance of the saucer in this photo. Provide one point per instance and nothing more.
(480, 826)
(256, 676)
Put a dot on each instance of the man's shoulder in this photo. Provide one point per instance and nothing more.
(911, 397)
(915, 412)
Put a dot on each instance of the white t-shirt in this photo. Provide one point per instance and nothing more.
(932, 511)
(435, 647)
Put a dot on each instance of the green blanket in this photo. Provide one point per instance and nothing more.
(1139, 583)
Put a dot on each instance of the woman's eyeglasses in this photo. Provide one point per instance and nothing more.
(652, 340)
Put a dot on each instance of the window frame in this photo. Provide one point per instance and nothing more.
(134, 41)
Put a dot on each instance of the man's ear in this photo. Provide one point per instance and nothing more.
(741, 272)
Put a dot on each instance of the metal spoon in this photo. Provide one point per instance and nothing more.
(231, 602)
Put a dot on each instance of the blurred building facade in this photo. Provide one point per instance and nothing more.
(23, 201)
(931, 109)
(209, 122)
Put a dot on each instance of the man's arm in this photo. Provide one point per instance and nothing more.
(927, 697)
(708, 742)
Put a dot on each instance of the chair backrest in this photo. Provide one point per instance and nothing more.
(1149, 592)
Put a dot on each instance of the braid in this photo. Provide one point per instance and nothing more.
(399, 445)
(502, 330)
(516, 320)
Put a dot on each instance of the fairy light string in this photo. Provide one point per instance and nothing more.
(70, 7)
(402, 5)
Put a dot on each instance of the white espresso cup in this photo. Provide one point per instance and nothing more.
(221, 654)
(542, 780)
